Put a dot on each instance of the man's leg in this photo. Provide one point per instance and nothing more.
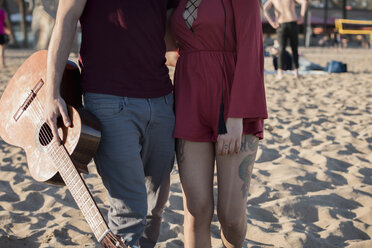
(293, 37)
(119, 162)
(282, 39)
(158, 157)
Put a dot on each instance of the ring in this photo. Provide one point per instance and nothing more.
(226, 146)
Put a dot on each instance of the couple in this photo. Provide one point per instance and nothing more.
(220, 106)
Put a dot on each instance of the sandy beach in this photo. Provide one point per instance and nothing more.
(311, 186)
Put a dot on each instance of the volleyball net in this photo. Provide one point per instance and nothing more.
(346, 26)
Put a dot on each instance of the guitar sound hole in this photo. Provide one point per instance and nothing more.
(45, 135)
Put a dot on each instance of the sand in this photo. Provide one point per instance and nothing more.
(312, 183)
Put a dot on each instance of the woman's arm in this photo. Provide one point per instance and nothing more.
(7, 26)
(6, 22)
(247, 98)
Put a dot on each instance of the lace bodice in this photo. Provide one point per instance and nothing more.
(191, 12)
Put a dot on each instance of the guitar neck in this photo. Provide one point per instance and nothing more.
(79, 190)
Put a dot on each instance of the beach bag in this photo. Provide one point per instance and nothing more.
(336, 67)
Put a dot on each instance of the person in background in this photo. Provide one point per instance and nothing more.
(335, 39)
(286, 25)
(127, 87)
(305, 65)
(274, 52)
(4, 32)
(220, 107)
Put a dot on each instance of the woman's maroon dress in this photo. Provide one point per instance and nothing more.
(215, 57)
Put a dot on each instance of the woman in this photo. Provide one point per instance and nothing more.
(3, 37)
(220, 68)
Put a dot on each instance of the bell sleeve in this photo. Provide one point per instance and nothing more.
(247, 97)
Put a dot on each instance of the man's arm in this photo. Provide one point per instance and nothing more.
(68, 14)
(171, 46)
(267, 6)
(303, 4)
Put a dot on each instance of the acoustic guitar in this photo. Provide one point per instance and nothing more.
(22, 124)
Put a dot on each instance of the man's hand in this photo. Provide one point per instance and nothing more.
(231, 142)
(267, 6)
(300, 20)
(54, 108)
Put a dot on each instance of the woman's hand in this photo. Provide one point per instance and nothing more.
(230, 142)
(171, 58)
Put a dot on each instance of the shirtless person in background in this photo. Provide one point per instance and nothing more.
(285, 23)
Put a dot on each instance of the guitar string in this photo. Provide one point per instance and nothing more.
(79, 194)
(46, 136)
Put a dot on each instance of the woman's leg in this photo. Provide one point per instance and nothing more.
(196, 168)
(234, 175)
(2, 60)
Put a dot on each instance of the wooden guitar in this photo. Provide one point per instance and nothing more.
(22, 124)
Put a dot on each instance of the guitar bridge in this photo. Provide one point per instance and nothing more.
(28, 100)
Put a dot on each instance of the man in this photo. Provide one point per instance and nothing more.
(126, 86)
(285, 23)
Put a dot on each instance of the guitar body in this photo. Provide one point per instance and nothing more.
(80, 141)
(22, 124)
